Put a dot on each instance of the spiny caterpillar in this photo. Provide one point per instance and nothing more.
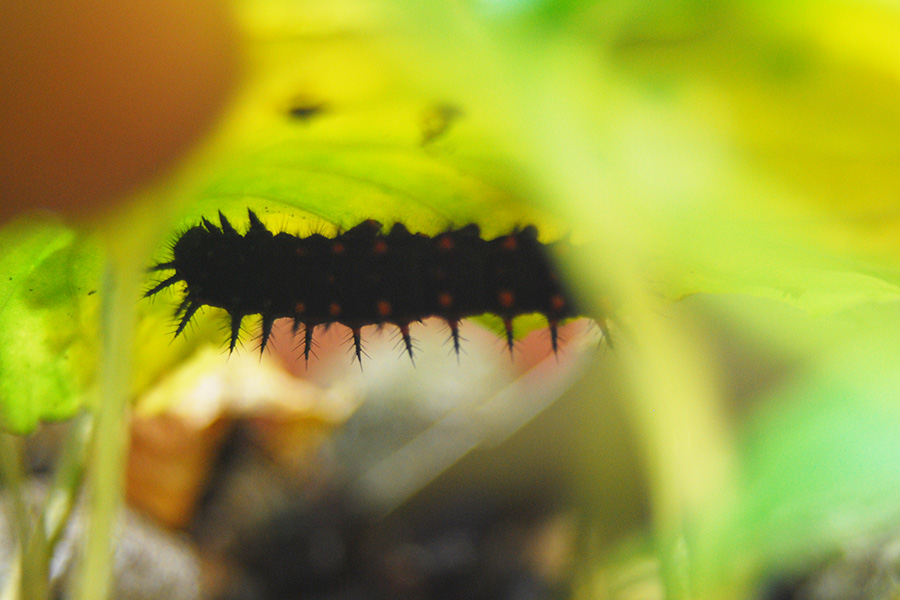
(363, 277)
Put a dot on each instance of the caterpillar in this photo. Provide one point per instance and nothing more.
(361, 277)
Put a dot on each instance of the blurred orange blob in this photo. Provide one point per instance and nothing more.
(101, 95)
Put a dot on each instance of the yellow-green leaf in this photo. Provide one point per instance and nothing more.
(48, 310)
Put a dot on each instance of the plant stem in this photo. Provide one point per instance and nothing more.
(105, 464)
(67, 479)
(31, 563)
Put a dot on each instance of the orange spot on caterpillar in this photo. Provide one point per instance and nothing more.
(446, 243)
(557, 302)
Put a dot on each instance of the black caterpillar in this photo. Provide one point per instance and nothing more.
(363, 277)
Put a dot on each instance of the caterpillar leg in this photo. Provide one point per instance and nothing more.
(407, 340)
(235, 331)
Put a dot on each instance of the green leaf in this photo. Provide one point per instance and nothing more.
(759, 141)
(48, 311)
(818, 454)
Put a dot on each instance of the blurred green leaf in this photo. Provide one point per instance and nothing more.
(762, 141)
(819, 453)
(48, 311)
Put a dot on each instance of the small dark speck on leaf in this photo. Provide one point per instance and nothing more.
(437, 120)
(305, 111)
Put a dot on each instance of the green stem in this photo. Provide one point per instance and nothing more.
(30, 566)
(105, 465)
(69, 474)
(12, 589)
(32, 561)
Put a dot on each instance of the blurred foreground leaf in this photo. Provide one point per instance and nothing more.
(819, 455)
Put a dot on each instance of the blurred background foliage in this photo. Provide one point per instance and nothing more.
(728, 172)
